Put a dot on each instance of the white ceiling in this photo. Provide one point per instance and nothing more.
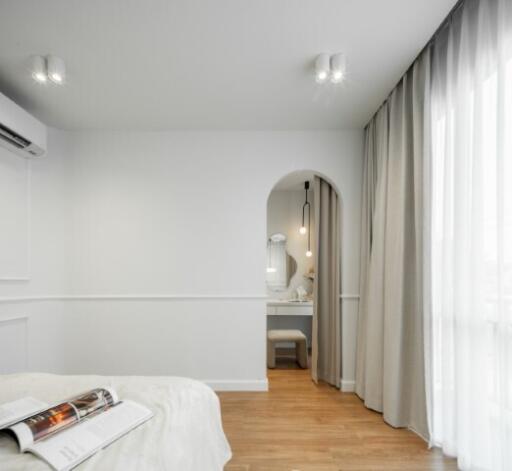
(204, 64)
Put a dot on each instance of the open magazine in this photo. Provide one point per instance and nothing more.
(68, 433)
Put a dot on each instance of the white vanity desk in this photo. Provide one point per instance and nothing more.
(277, 307)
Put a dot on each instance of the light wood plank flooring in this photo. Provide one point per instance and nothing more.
(298, 426)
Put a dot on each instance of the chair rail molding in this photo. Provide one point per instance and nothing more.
(146, 297)
(133, 297)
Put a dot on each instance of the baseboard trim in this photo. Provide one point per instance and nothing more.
(238, 384)
(348, 385)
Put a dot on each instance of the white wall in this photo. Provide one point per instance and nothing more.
(47, 219)
(33, 327)
(164, 236)
(15, 211)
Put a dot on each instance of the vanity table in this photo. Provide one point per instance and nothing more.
(276, 307)
(290, 315)
(286, 314)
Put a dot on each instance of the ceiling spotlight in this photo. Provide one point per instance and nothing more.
(322, 68)
(56, 69)
(39, 69)
(338, 67)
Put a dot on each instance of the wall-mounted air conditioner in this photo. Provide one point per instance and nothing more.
(20, 132)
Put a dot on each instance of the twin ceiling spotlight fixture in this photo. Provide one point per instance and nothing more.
(330, 67)
(48, 68)
(303, 229)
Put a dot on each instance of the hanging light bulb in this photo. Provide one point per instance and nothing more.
(303, 228)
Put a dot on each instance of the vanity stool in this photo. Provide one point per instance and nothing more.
(280, 335)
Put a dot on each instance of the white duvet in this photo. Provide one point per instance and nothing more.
(185, 433)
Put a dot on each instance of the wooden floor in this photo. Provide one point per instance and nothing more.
(298, 426)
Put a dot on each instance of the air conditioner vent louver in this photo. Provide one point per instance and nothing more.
(20, 132)
(12, 138)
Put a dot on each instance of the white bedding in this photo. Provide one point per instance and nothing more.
(185, 433)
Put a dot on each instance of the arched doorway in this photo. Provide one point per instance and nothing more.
(303, 275)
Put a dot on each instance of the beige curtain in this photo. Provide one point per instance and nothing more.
(390, 370)
(326, 342)
(375, 143)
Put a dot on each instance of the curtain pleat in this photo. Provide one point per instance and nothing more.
(434, 348)
(326, 339)
(390, 374)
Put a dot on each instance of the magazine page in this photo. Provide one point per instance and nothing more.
(12, 412)
(66, 450)
(61, 416)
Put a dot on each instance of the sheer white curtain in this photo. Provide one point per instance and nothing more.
(471, 329)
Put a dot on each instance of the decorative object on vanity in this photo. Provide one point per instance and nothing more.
(301, 293)
(330, 67)
(303, 229)
(281, 266)
(281, 335)
(50, 67)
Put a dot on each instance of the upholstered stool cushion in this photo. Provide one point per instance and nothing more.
(282, 335)
(292, 335)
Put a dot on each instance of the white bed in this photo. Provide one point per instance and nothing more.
(185, 433)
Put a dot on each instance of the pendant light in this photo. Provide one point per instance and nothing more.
(303, 228)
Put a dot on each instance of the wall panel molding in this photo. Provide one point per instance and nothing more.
(14, 344)
(28, 210)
